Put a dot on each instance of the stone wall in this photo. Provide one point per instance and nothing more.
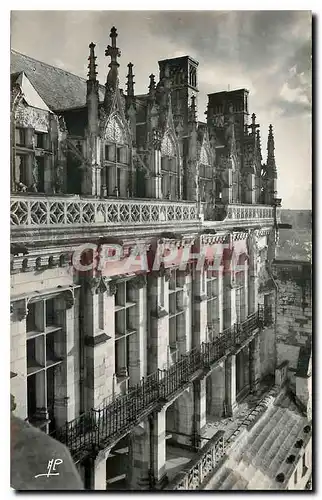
(294, 310)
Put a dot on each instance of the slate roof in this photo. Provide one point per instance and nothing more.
(57, 87)
(254, 462)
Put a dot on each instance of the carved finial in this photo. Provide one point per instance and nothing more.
(114, 52)
(253, 126)
(152, 84)
(130, 81)
(91, 65)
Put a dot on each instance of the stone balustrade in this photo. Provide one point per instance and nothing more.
(240, 212)
(245, 212)
(198, 470)
(41, 211)
(58, 211)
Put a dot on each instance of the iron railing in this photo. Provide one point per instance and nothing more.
(98, 428)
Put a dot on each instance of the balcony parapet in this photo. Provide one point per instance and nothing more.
(199, 470)
(57, 211)
(239, 212)
(244, 212)
(100, 427)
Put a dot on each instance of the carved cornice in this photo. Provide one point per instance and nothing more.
(212, 239)
(239, 236)
(39, 263)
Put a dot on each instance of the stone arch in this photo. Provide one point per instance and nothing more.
(180, 416)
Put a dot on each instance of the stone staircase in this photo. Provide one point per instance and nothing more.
(254, 464)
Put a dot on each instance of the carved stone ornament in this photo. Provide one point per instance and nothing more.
(69, 299)
(37, 119)
(252, 244)
(138, 282)
(97, 284)
(19, 310)
(164, 272)
(112, 288)
(156, 139)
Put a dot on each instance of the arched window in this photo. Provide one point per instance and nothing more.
(205, 176)
(115, 177)
(169, 171)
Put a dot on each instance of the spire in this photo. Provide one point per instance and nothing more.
(270, 151)
(114, 52)
(258, 145)
(91, 65)
(130, 81)
(152, 85)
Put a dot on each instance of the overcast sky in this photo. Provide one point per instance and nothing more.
(267, 52)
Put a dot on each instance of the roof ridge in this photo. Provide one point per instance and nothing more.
(50, 65)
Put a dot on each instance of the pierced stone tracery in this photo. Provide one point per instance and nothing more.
(114, 131)
(167, 147)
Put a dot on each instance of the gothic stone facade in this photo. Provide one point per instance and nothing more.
(100, 354)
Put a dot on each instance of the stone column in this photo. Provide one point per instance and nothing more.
(199, 408)
(18, 361)
(216, 387)
(250, 189)
(183, 320)
(139, 457)
(138, 341)
(91, 180)
(229, 287)
(230, 381)
(158, 444)
(244, 296)
(48, 175)
(252, 274)
(99, 475)
(200, 308)
(67, 374)
(227, 191)
(158, 305)
(98, 344)
(254, 364)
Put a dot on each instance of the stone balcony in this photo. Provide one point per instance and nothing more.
(64, 216)
(239, 213)
(37, 217)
